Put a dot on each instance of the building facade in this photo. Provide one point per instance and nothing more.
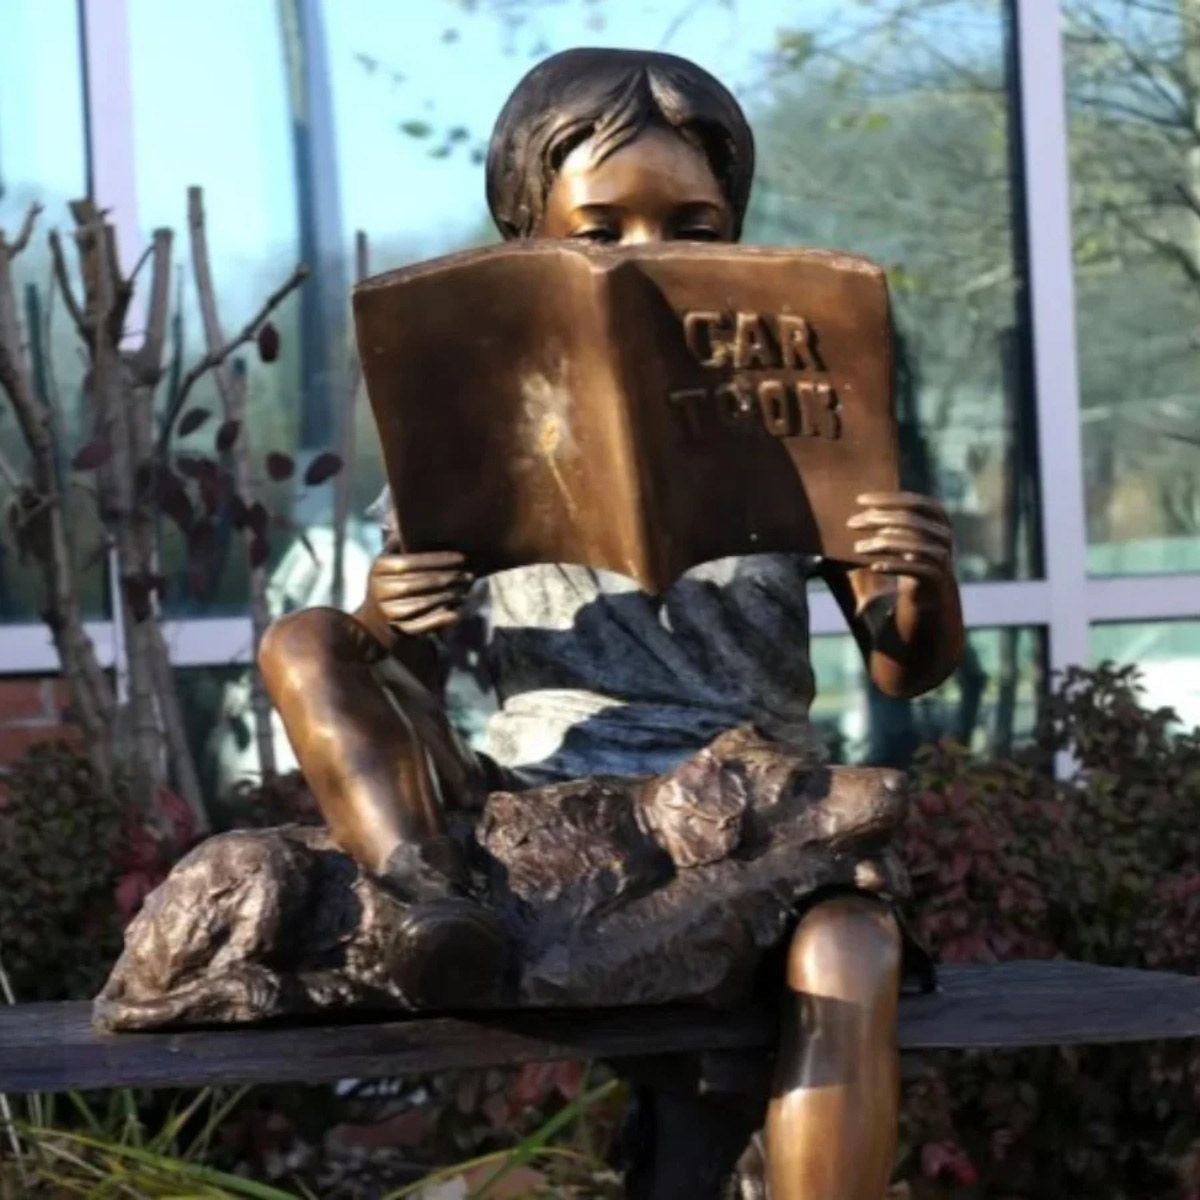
(1028, 172)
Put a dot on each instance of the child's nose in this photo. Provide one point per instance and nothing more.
(642, 233)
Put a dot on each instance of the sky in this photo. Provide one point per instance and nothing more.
(41, 105)
(211, 106)
(217, 112)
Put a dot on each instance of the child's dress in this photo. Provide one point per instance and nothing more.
(592, 676)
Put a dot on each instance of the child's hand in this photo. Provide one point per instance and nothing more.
(907, 537)
(419, 593)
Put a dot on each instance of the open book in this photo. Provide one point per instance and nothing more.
(641, 410)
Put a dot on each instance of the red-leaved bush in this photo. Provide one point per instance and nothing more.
(1104, 867)
(76, 861)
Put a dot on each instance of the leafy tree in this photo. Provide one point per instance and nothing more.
(921, 175)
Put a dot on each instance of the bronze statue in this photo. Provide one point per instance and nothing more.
(623, 148)
(668, 715)
(564, 372)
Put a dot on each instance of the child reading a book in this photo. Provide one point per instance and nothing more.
(595, 677)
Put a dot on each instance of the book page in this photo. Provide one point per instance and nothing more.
(761, 387)
(641, 410)
(496, 401)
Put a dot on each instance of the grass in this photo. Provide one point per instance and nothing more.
(109, 1154)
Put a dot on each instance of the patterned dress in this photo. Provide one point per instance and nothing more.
(593, 676)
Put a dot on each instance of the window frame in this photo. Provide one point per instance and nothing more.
(1064, 602)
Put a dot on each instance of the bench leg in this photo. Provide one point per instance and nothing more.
(689, 1146)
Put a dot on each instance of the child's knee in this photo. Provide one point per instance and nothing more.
(847, 948)
(304, 647)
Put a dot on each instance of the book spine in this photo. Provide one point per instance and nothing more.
(644, 535)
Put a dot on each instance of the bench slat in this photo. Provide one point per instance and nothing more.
(52, 1047)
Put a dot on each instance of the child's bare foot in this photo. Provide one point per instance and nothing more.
(453, 951)
(453, 954)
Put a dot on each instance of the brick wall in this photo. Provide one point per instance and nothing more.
(32, 710)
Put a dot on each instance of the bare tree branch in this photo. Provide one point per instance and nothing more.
(206, 294)
(26, 231)
(88, 216)
(231, 386)
(1106, 104)
(45, 512)
(15, 380)
(116, 412)
(62, 275)
(1149, 71)
(1189, 197)
(143, 259)
(147, 362)
(8, 472)
(1164, 246)
(215, 358)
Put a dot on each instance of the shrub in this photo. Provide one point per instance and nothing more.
(75, 862)
(1103, 867)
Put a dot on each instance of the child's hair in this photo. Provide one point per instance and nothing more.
(609, 97)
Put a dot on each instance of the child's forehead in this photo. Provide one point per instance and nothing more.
(656, 161)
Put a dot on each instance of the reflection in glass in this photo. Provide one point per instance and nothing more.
(1133, 77)
(219, 727)
(887, 130)
(1167, 655)
(224, 115)
(990, 704)
(884, 129)
(43, 159)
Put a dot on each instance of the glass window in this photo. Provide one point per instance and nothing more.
(884, 128)
(1133, 75)
(43, 159)
(989, 704)
(217, 103)
(220, 729)
(1167, 654)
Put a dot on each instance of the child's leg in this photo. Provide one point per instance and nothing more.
(831, 1126)
(381, 760)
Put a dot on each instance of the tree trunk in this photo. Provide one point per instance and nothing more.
(231, 387)
(146, 370)
(1189, 14)
(42, 513)
(260, 613)
(111, 387)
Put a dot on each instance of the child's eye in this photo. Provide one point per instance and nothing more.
(699, 233)
(596, 234)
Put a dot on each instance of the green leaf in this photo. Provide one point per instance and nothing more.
(795, 47)
(177, 1170)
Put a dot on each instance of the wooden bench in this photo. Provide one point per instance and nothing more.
(52, 1047)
